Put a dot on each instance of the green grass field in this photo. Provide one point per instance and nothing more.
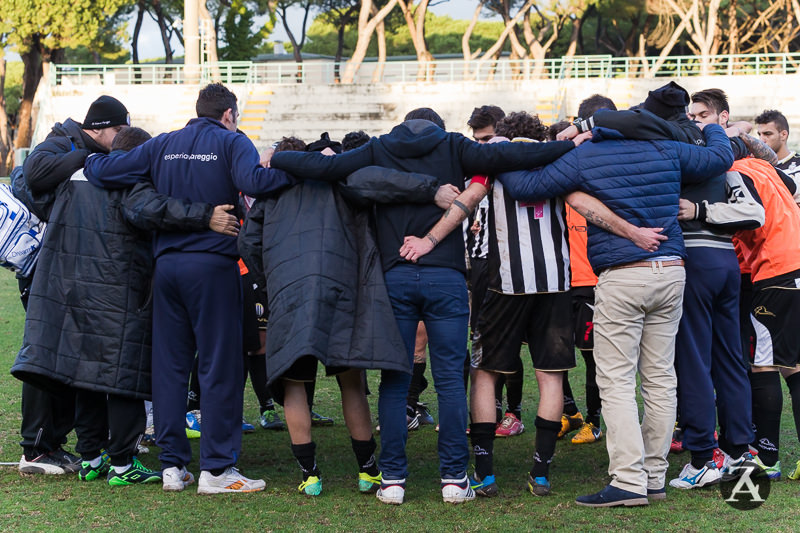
(60, 503)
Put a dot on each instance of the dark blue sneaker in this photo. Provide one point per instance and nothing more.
(657, 494)
(611, 496)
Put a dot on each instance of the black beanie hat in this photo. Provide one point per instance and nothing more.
(324, 142)
(106, 112)
(667, 101)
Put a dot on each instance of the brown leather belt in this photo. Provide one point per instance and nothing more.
(649, 264)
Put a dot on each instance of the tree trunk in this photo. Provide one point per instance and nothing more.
(465, 48)
(207, 23)
(416, 28)
(686, 18)
(31, 75)
(366, 27)
(137, 28)
(5, 136)
(161, 20)
(339, 51)
(380, 32)
(498, 45)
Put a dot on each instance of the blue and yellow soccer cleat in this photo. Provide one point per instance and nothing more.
(311, 486)
(368, 484)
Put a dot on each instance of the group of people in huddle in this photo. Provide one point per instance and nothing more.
(660, 241)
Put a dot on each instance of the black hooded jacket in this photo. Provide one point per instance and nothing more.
(88, 323)
(422, 147)
(312, 248)
(55, 159)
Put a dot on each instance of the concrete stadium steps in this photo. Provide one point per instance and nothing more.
(254, 111)
(270, 112)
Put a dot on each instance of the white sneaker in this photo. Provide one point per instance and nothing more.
(392, 491)
(176, 479)
(228, 481)
(457, 490)
(44, 464)
(693, 478)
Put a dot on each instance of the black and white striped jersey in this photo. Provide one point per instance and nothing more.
(528, 249)
(478, 243)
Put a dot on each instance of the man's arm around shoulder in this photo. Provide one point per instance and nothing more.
(699, 163)
(120, 170)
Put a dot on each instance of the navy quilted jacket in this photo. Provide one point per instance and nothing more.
(639, 180)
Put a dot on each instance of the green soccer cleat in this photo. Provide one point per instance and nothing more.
(136, 474)
(773, 472)
(795, 475)
(311, 486)
(90, 473)
(368, 484)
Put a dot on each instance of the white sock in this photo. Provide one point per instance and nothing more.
(94, 463)
(122, 469)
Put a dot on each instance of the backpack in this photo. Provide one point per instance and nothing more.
(21, 232)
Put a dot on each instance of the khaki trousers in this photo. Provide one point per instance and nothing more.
(637, 311)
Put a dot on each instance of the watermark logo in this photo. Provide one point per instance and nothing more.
(745, 486)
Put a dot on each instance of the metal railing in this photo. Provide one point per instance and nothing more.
(441, 70)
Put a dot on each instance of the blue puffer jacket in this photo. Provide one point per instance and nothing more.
(639, 180)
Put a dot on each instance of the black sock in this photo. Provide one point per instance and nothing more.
(216, 471)
(593, 404)
(514, 392)
(570, 408)
(546, 433)
(767, 407)
(193, 397)
(306, 458)
(699, 459)
(33, 453)
(417, 385)
(499, 385)
(365, 455)
(793, 382)
(736, 450)
(481, 434)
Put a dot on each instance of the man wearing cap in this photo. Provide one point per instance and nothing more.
(46, 418)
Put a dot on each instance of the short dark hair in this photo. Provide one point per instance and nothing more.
(353, 140)
(521, 124)
(214, 99)
(129, 138)
(557, 128)
(714, 99)
(595, 103)
(290, 144)
(773, 115)
(425, 113)
(484, 116)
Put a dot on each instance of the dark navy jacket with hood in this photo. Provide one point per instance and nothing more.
(422, 147)
(639, 180)
(202, 162)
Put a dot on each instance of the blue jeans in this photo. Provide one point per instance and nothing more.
(438, 297)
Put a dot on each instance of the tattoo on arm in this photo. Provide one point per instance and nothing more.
(759, 149)
(595, 219)
(461, 206)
